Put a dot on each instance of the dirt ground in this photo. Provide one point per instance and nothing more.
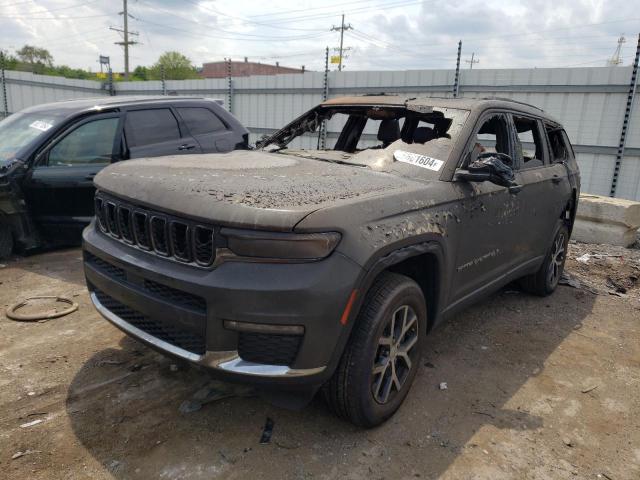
(538, 388)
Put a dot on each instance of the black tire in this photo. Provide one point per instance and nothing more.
(545, 280)
(357, 394)
(6, 241)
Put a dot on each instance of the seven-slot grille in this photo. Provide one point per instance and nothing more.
(164, 235)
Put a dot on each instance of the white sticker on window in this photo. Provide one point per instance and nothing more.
(41, 125)
(418, 160)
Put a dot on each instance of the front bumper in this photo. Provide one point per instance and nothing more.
(308, 295)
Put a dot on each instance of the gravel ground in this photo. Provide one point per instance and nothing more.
(538, 388)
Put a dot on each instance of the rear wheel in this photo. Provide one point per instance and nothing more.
(545, 280)
(6, 241)
(381, 360)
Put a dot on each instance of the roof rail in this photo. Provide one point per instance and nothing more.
(503, 99)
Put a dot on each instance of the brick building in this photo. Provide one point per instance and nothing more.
(245, 69)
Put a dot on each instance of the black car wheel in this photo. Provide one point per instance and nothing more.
(545, 280)
(382, 357)
(6, 241)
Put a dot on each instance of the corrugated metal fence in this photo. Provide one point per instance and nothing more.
(590, 102)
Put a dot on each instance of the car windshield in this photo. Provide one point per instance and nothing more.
(20, 129)
(370, 135)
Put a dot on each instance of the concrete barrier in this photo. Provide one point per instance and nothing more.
(613, 221)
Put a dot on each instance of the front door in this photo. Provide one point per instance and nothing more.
(488, 246)
(59, 188)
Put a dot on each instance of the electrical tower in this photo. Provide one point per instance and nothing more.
(616, 59)
(125, 33)
(341, 28)
(472, 61)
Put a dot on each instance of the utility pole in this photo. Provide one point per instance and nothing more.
(472, 61)
(125, 33)
(342, 28)
(616, 59)
(456, 81)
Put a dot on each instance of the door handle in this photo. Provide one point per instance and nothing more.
(556, 179)
(186, 146)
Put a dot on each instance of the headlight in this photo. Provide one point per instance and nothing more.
(288, 246)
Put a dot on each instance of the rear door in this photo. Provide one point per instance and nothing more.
(211, 132)
(156, 131)
(59, 188)
(545, 184)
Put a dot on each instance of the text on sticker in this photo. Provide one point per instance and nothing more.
(41, 125)
(418, 160)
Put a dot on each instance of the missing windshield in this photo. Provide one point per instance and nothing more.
(351, 130)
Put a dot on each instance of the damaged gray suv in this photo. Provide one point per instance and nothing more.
(323, 258)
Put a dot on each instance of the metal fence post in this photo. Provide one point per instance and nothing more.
(625, 122)
(112, 90)
(456, 82)
(163, 80)
(229, 86)
(322, 131)
(5, 100)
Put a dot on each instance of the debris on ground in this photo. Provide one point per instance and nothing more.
(267, 431)
(590, 389)
(22, 454)
(32, 423)
(39, 315)
(583, 258)
(443, 386)
(603, 270)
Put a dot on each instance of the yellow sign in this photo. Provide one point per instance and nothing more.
(335, 58)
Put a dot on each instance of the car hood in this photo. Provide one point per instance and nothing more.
(252, 189)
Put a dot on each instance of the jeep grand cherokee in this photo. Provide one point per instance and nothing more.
(323, 258)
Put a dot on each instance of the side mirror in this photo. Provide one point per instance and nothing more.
(492, 167)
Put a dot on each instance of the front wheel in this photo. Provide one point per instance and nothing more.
(382, 357)
(545, 280)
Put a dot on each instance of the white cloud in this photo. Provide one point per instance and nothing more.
(393, 34)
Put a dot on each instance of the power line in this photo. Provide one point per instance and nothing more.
(48, 10)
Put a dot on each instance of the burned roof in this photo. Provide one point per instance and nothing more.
(471, 104)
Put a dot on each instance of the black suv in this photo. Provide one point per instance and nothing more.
(50, 153)
(296, 267)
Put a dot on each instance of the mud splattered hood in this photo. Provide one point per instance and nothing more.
(253, 189)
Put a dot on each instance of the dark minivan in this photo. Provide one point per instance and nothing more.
(50, 153)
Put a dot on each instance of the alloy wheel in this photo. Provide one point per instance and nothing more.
(557, 260)
(395, 354)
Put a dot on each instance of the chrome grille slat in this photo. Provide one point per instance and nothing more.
(178, 239)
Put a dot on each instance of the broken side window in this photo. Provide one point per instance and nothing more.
(492, 136)
(559, 149)
(530, 145)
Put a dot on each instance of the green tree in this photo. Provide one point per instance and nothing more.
(176, 67)
(140, 73)
(36, 59)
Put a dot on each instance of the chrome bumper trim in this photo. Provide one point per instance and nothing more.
(228, 361)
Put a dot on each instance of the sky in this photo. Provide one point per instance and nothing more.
(384, 35)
